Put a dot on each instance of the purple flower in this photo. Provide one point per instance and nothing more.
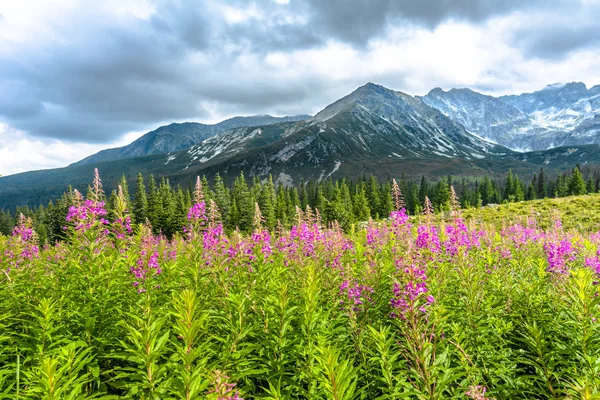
(354, 294)
(86, 214)
(558, 253)
(22, 244)
(427, 238)
(198, 213)
(399, 217)
(458, 236)
(409, 292)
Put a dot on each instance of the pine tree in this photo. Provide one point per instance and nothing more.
(361, 208)
(321, 203)
(373, 196)
(542, 188)
(442, 195)
(153, 209)
(166, 223)
(266, 202)
(509, 187)
(208, 193)
(589, 186)
(294, 202)
(6, 223)
(178, 218)
(340, 206)
(281, 207)
(304, 199)
(531, 192)
(519, 189)
(223, 200)
(562, 186)
(423, 190)
(387, 203)
(245, 203)
(412, 199)
(577, 184)
(140, 204)
(487, 191)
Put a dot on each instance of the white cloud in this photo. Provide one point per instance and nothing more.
(20, 152)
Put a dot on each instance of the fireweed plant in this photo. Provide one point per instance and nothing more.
(422, 307)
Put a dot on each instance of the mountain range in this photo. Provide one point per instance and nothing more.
(174, 137)
(373, 130)
(558, 115)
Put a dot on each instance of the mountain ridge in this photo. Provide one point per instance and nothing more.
(181, 135)
(557, 115)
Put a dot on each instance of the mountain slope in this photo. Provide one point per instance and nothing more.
(558, 115)
(175, 137)
(369, 125)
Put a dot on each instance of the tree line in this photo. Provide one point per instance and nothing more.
(165, 207)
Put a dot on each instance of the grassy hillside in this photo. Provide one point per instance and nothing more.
(580, 212)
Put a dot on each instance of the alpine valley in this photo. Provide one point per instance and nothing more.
(373, 130)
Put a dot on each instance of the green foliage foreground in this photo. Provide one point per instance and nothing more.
(394, 310)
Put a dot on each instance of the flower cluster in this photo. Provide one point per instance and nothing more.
(147, 265)
(197, 218)
(23, 245)
(458, 236)
(427, 238)
(121, 227)
(558, 253)
(262, 240)
(410, 291)
(399, 217)
(197, 213)
(354, 294)
(86, 214)
(594, 263)
(522, 235)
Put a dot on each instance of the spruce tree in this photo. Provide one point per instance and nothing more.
(589, 186)
(542, 186)
(577, 184)
(153, 209)
(442, 195)
(140, 204)
(222, 197)
(387, 202)
(487, 191)
(281, 213)
(245, 203)
(531, 191)
(266, 202)
(509, 187)
(361, 208)
(373, 196)
(304, 199)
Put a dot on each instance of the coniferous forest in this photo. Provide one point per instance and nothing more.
(347, 202)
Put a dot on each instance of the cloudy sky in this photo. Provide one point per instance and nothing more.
(77, 76)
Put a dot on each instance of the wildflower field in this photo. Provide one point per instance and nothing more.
(423, 307)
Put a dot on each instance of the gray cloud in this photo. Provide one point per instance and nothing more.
(113, 75)
(556, 42)
(554, 34)
(357, 21)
